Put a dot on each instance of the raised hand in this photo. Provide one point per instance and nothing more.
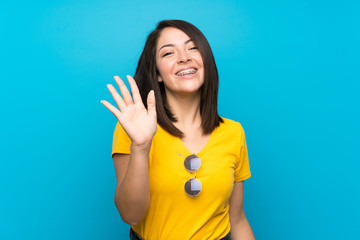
(138, 122)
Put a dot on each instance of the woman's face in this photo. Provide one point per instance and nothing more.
(179, 63)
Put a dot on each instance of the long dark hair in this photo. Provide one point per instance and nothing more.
(146, 77)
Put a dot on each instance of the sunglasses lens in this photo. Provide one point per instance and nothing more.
(193, 187)
(192, 163)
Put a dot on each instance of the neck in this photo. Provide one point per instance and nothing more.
(186, 109)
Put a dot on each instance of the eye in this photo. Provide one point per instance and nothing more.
(194, 48)
(166, 54)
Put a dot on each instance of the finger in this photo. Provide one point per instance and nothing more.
(112, 109)
(118, 99)
(134, 90)
(124, 91)
(151, 104)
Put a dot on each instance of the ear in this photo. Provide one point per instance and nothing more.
(160, 78)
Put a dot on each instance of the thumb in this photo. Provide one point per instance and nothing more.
(151, 104)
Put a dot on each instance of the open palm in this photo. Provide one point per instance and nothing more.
(138, 122)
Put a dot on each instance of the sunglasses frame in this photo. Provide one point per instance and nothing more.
(192, 169)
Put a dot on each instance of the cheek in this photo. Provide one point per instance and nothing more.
(164, 67)
(159, 70)
(200, 60)
(164, 72)
(160, 74)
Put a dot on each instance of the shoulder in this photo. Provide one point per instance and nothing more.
(230, 130)
(231, 125)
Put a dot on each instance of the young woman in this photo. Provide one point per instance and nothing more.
(180, 167)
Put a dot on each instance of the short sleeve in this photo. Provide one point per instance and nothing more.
(242, 170)
(121, 141)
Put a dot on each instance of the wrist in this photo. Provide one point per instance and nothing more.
(140, 148)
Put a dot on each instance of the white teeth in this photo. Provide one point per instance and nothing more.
(187, 71)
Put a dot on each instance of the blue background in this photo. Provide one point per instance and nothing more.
(289, 72)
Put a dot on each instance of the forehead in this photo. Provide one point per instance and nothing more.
(173, 36)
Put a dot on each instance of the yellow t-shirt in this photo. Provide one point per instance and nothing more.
(172, 213)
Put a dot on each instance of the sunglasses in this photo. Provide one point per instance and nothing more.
(193, 186)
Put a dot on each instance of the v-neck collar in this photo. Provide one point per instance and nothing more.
(204, 149)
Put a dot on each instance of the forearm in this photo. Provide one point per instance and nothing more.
(240, 229)
(132, 196)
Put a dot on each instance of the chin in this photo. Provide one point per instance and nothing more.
(191, 90)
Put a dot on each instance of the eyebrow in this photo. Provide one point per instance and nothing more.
(172, 45)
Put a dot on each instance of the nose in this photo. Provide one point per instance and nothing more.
(183, 57)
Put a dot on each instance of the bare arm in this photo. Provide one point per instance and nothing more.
(240, 227)
(132, 194)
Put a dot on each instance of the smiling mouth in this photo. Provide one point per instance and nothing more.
(186, 72)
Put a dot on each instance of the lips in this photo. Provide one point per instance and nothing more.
(187, 71)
